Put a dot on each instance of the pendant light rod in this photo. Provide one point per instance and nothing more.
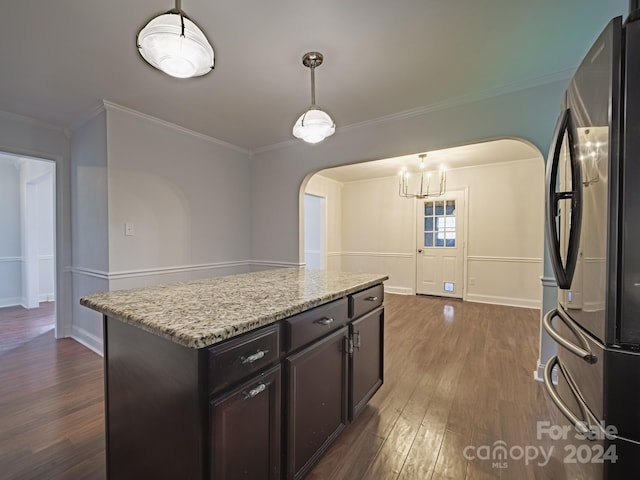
(312, 60)
(313, 85)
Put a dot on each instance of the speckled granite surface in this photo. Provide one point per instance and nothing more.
(203, 312)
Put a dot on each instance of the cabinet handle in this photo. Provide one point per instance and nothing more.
(371, 299)
(255, 357)
(255, 391)
(325, 321)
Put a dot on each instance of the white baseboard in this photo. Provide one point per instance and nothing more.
(506, 301)
(398, 290)
(46, 297)
(89, 340)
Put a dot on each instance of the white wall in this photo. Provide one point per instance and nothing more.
(505, 234)
(378, 232)
(10, 238)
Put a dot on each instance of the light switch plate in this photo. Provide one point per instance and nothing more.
(128, 229)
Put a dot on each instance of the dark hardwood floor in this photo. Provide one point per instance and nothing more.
(51, 401)
(456, 374)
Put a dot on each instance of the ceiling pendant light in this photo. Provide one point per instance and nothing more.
(314, 125)
(171, 42)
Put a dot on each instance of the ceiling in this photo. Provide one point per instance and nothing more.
(483, 153)
(59, 59)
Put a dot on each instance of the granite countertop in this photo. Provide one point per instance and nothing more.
(200, 313)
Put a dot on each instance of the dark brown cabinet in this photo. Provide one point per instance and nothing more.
(366, 364)
(316, 400)
(244, 431)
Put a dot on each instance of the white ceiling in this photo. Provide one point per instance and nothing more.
(484, 153)
(60, 58)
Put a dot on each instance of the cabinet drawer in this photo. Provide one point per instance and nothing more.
(365, 301)
(235, 359)
(315, 323)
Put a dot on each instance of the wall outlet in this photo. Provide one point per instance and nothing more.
(128, 229)
(472, 281)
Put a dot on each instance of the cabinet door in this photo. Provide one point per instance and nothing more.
(316, 401)
(245, 430)
(366, 366)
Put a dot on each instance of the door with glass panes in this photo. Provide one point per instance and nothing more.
(440, 257)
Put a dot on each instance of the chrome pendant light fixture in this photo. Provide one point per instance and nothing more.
(314, 125)
(172, 43)
(425, 186)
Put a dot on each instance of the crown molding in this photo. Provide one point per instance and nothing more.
(114, 106)
(34, 122)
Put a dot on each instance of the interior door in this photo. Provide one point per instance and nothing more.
(440, 257)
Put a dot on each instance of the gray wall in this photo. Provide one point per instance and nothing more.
(184, 193)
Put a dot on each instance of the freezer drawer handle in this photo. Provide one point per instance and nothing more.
(582, 426)
(583, 352)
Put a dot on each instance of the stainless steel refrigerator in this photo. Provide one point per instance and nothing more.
(593, 235)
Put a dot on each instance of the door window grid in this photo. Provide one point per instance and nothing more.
(440, 223)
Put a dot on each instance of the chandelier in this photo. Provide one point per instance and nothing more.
(425, 183)
(172, 43)
(314, 125)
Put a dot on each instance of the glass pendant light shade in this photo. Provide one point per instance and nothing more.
(174, 44)
(314, 125)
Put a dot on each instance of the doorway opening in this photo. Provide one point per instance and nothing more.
(315, 231)
(27, 248)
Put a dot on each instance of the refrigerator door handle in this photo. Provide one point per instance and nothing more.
(582, 351)
(585, 426)
(564, 273)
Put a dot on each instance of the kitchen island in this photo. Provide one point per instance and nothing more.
(247, 376)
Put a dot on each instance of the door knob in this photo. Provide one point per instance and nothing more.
(420, 250)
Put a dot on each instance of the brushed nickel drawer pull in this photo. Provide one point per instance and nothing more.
(255, 357)
(326, 321)
(356, 340)
(371, 299)
(255, 391)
